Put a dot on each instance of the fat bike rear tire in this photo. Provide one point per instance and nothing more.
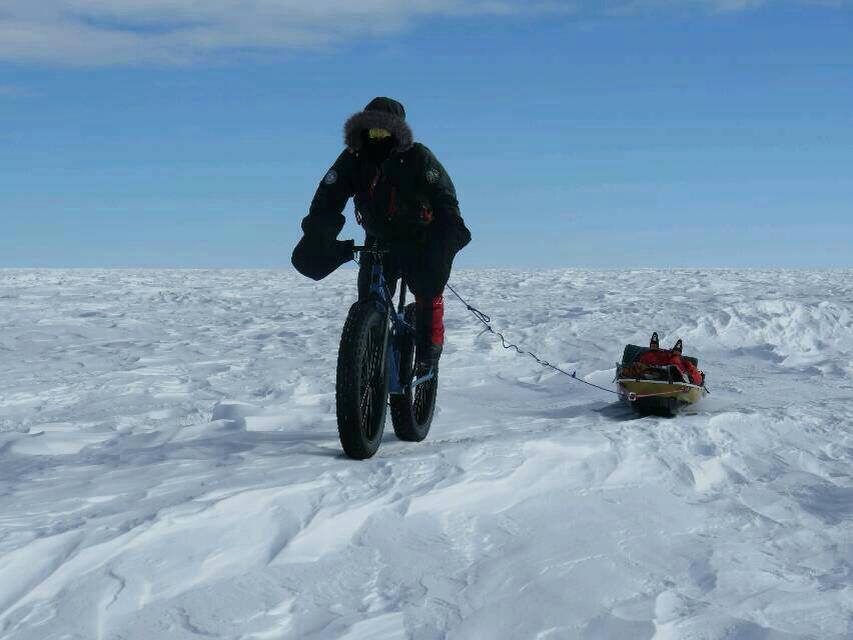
(361, 389)
(413, 410)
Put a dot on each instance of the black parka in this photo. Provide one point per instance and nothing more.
(406, 200)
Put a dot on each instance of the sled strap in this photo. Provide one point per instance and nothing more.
(487, 327)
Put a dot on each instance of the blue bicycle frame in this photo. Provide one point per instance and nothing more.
(382, 297)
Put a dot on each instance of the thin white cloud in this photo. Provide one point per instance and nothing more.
(116, 32)
(13, 91)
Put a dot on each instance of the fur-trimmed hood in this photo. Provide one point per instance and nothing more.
(380, 113)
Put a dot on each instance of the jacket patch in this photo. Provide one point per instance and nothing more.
(331, 177)
(433, 175)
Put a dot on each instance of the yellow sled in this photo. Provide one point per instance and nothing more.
(651, 394)
(655, 390)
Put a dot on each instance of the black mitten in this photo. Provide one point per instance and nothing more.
(316, 258)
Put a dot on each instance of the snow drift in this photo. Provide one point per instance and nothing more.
(169, 464)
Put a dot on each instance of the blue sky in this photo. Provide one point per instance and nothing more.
(616, 134)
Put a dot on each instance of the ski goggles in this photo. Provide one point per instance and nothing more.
(378, 134)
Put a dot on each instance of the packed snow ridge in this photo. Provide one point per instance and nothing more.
(170, 467)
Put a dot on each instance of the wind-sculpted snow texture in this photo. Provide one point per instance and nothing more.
(170, 467)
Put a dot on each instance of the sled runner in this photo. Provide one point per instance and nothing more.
(659, 381)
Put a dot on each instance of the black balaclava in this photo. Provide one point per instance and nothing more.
(377, 151)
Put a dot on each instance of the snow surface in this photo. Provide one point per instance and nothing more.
(170, 468)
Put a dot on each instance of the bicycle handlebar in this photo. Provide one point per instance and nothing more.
(365, 249)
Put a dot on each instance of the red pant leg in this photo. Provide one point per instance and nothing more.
(430, 320)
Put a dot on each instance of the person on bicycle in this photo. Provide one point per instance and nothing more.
(405, 200)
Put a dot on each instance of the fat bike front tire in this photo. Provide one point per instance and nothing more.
(413, 410)
(361, 390)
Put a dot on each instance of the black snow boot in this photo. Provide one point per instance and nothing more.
(426, 359)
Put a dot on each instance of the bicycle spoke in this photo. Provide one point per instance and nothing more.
(365, 395)
(371, 378)
(365, 365)
(367, 414)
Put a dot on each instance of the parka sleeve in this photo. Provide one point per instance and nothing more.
(325, 218)
(443, 200)
(318, 253)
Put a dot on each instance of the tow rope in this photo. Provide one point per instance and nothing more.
(486, 321)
